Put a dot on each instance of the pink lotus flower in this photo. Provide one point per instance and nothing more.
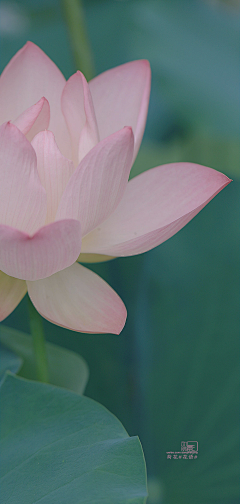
(66, 150)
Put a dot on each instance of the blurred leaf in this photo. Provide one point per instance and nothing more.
(61, 447)
(222, 155)
(193, 49)
(187, 341)
(8, 361)
(194, 52)
(66, 368)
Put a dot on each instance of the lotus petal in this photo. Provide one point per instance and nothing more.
(23, 200)
(51, 249)
(54, 170)
(120, 97)
(34, 119)
(28, 76)
(99, 182)
(80, 117)
(155, 206)
(78, 299)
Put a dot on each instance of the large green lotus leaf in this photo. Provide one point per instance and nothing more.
(66, 368)
(8, 361)
(60, 447)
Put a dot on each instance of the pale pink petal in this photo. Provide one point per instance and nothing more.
(12, 291)
(98, 184)
(79, 113)
(54, 170)
(120, 98)
(34, 119)
(23, 200)
(78, 299)
(156, 205)
(51, 249)
(29, 76)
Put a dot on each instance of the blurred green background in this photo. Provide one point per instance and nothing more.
(173, 373)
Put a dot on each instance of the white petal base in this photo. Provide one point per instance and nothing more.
(12, 291)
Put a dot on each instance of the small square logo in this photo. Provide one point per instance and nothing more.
(189, 446)
(189, 450)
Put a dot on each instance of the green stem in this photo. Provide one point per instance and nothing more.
(39, 343)
(74, 16)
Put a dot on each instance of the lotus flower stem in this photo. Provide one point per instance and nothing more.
(39, 343)
(75, 20)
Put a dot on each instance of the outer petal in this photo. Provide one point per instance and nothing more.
(54, 170)
(121, 97)
(80, 117)
(29, 76)
(98, 184)
(78, 299)
(22, 198)
(34, 119)
(51, 249)
(156, 205)
(11, 293)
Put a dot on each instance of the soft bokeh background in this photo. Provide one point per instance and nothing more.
(172, 375)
